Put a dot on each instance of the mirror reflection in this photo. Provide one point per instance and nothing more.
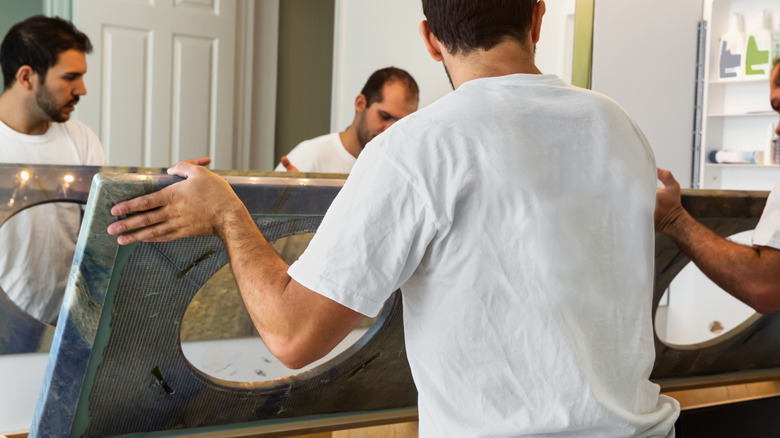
(37, 249)
(126, 137)
(219, 339)
(695, 313)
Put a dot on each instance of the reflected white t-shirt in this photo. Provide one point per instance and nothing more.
(767, 232)
(324, 154)
(37, 244)
(516, 216)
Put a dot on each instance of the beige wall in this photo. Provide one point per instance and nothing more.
(644, 57)
(304, 72)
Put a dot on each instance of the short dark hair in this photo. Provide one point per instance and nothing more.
(376, 83)
(38, 42)
(467, 25)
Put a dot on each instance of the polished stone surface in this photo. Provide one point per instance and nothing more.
(23, 186)
(116, 366)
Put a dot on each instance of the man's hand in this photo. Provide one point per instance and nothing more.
(668, 207)
(199, 206)
(288, 166)
(203, 161)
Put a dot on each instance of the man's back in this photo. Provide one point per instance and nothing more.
(522, 240)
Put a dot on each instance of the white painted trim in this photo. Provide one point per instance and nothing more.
(58, 8)
(242, 120)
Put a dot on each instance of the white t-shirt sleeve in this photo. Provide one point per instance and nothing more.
(767, 232)
(371, 240)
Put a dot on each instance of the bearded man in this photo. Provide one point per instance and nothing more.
(389, 95)
(43, 61)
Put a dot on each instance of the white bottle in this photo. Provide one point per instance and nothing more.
(730, 51)
(769, 152)
(724, 156)
(758, 47)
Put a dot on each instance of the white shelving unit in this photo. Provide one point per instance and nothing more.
(736, 115)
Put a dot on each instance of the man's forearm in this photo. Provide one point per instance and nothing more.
(260, 273)
(298, 325)
(736, 268)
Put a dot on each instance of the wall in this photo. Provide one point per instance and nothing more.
(554, 51)
(13, 11)
(304, 72)
(644, 57)
(373, 34)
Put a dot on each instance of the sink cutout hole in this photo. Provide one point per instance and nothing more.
(218, 336)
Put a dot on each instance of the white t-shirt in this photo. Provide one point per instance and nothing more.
(767, 232)
(37, 244)
(516, 216)
(324, 154)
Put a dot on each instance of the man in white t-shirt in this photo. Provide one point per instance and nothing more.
(749, 273)
(43, 63)
(389, 95)
(516, 216)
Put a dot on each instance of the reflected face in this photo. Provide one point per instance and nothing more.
(395, 105)
(774, 94)
(59, 93)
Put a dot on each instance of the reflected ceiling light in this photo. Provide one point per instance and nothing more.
(24, 175)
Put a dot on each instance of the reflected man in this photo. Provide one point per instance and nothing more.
(515, 215)
(43, 61)
(749, 273)
(389, 95)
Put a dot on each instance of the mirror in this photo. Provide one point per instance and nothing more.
(37, 246)
(566, 39)
(695, 313)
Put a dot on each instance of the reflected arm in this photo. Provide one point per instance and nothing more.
(750, 273)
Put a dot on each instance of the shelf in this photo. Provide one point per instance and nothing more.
(756, 114)
(740, 81)
(725, 165)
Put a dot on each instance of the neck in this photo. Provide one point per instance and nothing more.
(16, 114)
(349, 139)
(506, 58)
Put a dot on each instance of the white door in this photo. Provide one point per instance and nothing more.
(160, 80)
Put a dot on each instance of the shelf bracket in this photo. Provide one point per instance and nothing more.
(698, 110)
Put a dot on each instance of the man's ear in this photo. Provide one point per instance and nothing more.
(536, 21)
(25, 77)
(432, 43)
(360, 103)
